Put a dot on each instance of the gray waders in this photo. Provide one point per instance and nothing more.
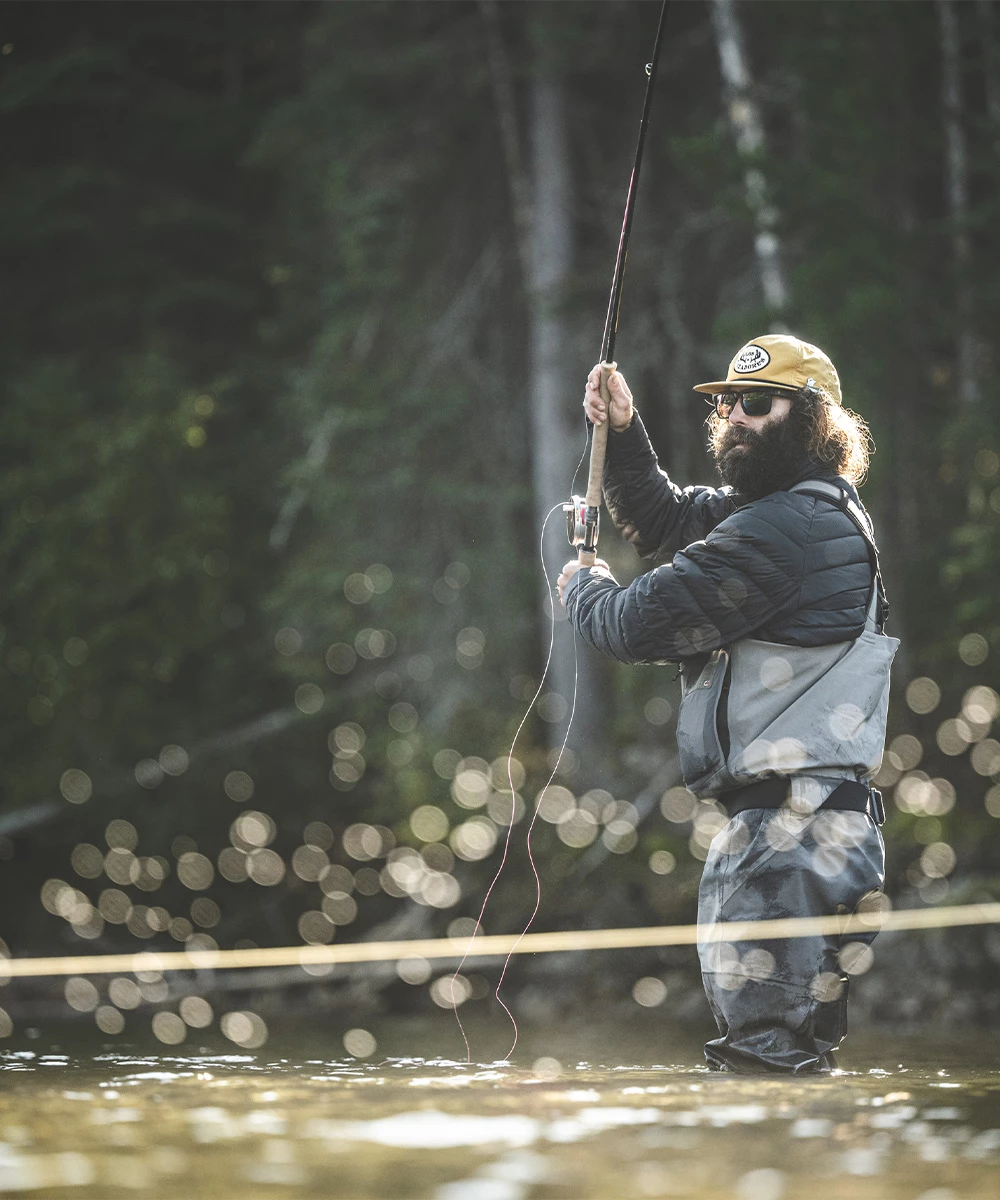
(782, 1005)
(814, 716)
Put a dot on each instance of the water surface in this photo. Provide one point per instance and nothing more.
(116, 1122)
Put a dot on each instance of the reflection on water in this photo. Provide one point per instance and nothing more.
(215, 1125)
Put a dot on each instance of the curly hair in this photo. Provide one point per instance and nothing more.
(836, 436)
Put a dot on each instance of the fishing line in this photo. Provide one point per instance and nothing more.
(513, 789)
(531, 826)
(583, 519)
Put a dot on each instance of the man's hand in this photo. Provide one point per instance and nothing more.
(570, 569)
(621, 400)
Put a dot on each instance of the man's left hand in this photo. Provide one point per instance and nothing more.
(569, 570)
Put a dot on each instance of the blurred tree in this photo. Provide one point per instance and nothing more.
(271, 461)
(748, 133)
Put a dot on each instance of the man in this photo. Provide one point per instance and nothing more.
(768, 594)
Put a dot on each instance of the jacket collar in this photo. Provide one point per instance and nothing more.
(814, 469)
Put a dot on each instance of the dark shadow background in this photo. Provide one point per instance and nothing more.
(269, 526)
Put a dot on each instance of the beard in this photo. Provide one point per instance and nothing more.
(756, 462)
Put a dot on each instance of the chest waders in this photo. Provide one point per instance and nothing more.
(800, 726)
(759, 709)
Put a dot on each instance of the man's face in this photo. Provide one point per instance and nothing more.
(759, 455)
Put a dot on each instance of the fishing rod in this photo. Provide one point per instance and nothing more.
(583, 512)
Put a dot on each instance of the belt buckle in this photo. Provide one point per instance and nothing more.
(876, 806)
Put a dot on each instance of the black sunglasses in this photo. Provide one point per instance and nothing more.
(754, 404)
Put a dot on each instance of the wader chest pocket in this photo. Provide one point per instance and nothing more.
(699, 725)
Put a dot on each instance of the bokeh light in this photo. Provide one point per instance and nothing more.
(121, 834)
(577, 828)
(124, 993)
(87, 861)
(76, 786)
(938, 860)
(403, 717)
(339, 907)
(251, 830)
(470, 647)
(195, 871)
(195, 1012)
(362, 842)
(649, 991)
(973, 649)
(148, 773)
(445, 763)
(506, 771)
(309, 862)
(413, 970)
(678, 805)
(471, 786)
(205, 912)
(265, 867)
(473, 839)
(246, 1029)
(620, 836)
(341, 658)
(359, 1043)
(662, 862)
(429, 823)
(109, 1020)
(168, 1028)
(856, 958)
(358, 588)
(985, 757)
(309, 698)
(922, 694)
(316, 928)
(81, 994)
(658, 711)
(238, 786)
(554, 803)
(173, 760)
(450, 991)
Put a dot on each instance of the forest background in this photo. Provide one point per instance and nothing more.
(298, 304)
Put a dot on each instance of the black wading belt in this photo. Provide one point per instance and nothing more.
(849, 796)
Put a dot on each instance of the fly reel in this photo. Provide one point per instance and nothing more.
(581, 523)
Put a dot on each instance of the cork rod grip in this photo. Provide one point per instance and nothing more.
(599, 444)
(598, 450)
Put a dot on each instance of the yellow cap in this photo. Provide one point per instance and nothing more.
(779, 361)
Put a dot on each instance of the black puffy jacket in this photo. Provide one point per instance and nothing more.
(788, 568)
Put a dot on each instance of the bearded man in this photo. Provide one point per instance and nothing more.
(767, 593)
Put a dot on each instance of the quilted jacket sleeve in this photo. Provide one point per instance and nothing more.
(745, 573)
(651, 511)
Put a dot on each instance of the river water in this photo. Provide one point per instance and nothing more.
(903, 1119)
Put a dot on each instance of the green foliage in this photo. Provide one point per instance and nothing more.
(264, 338)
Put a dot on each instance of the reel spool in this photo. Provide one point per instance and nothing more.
(582, 522)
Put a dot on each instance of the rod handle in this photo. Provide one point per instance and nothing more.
(599, 442)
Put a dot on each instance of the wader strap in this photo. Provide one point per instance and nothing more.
(849, 796)
(822, 489)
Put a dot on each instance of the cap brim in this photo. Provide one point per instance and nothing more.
(741, 385)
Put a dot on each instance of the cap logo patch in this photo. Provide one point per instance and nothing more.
(751, 358)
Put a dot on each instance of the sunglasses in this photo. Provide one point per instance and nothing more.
(754, 404)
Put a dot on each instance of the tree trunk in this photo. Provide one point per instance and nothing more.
(748, 133)
(991, 67)
(556, 391)
(957, 169)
